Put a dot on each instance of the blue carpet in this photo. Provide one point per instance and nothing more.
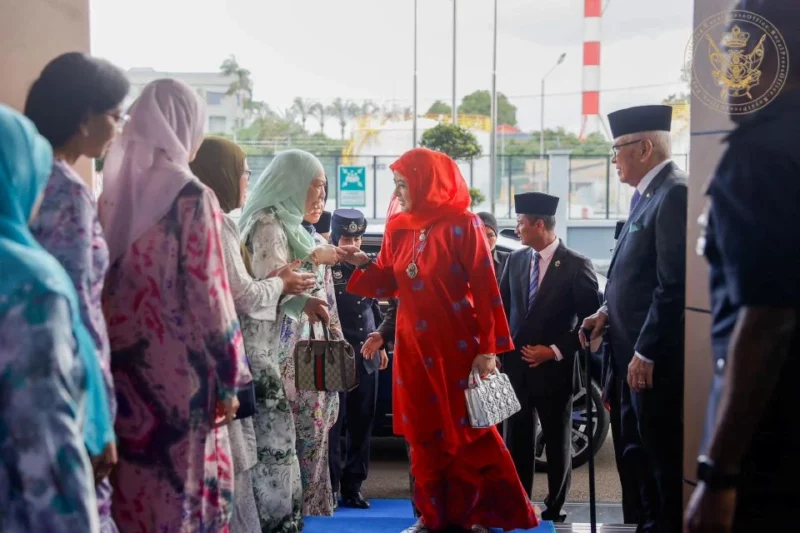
(385, 516)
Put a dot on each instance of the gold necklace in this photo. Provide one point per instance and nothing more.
(412, 269)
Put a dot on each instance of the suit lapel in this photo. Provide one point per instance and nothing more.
(640, 208)
(551, 277)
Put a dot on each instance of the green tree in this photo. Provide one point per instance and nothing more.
(320, 111)
(302, 108)
(679, 98)
(270, 127)
(344, 111)
(593, 144)
(367, 108)
(480, 103)
(477, 197)
(439, 108)
(453, 140)
(242, 85)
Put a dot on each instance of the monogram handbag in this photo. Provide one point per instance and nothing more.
(324, 365)
(247, 401)
(490, 400)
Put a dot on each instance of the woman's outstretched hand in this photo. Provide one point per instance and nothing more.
(354, 255)
(485, 364)
(327, 254)
(294, 282)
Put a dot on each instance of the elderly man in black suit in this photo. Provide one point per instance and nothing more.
(547, 291)
(644, 313)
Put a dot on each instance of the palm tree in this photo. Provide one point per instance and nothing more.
(242, 85)
(302, 108)
(367, 108)
(344, 111)
(320, 112)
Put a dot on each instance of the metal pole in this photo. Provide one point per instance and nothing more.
(541, 115)
(493, 138)
(375, 182)
(414, 128)
(454, 116)
(541, 126)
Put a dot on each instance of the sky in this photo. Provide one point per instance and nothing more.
(363, 49)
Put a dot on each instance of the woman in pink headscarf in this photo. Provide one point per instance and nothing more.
(176, 348)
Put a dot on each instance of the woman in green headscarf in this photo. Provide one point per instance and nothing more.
(277, 229)
(222, 166)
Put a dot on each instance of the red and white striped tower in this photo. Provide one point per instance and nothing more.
(592, 122)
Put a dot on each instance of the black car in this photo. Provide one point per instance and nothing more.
(580, 446)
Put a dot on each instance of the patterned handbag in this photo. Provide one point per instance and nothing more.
(490, 400)
(324, 365)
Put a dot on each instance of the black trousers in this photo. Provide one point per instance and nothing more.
(631, 500)
(555, 413)
(356, 418)
(652, 440)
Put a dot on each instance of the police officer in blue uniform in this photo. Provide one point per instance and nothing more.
(749, 468)
(359, 317)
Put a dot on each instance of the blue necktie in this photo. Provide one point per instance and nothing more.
(534, 284)
(635, 200)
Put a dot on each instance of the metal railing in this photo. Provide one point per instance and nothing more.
(595, 190)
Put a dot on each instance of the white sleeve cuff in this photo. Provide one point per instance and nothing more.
(559, 357)
(604, 309)
(643, 358)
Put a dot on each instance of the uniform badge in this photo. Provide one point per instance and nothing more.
(353, 227)
(337, 274)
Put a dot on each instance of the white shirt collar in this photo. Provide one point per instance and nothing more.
(548, 252)
(648, 178)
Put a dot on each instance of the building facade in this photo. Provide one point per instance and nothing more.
(225, 111)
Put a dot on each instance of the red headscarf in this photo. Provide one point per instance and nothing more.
(436, 186)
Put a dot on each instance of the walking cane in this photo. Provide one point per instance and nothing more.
(587, 355)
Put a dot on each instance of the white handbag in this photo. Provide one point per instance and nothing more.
(490, 400)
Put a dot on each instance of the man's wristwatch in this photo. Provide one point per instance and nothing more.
(715, 479)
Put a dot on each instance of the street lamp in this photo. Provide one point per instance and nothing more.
(541, 129)
(493, 138)
(454, 117)
(414, 127)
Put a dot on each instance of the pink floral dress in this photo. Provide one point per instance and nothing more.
(176, 348)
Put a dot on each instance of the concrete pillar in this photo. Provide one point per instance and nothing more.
(558, 185)
(708, 128)
(34, 32)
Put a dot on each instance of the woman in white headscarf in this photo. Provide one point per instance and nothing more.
(291, 426)
(176, 347)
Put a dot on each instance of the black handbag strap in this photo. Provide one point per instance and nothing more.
(325, 330)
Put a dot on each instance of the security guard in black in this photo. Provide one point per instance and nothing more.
(359, 317)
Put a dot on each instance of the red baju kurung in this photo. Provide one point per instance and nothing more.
(449, 313)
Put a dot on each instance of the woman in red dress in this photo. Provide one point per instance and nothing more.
(450, 319)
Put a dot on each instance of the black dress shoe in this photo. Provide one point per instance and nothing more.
(355, 500)
(552, 516)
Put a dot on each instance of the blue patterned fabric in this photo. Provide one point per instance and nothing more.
(534, 283)
(26, 160)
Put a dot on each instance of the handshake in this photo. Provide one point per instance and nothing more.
(328, 254)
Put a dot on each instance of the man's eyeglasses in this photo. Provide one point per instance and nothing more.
(616, 147)
(120, 119)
